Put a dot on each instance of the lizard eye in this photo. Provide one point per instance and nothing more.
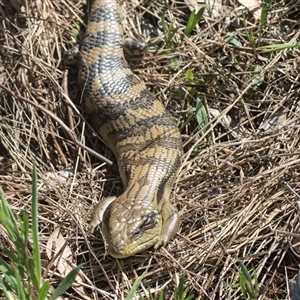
(149, 222)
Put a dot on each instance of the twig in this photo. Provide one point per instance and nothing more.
(61, 123)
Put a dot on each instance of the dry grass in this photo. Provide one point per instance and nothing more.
(236, 188)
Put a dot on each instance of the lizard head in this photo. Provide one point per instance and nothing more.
(130, 229)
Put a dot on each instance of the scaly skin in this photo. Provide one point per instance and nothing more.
(140, 132)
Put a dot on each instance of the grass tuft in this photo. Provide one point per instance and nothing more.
(22, 270)
(248, 283)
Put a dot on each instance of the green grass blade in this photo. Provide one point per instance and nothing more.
(277, 47)
(245, 272)
(6, 270)
(250, 34)
(201, 114)
(163, 20)
(7, 219)
(249, 286)
(181, 291)
(135, 286)
(12, 256)
(32, 272)
(4, 290)
(161, 295)
(266, 7)
(25, 227)
(35, 231)
(21, 291)
(43, 292)
(65, 283)
(193, 20)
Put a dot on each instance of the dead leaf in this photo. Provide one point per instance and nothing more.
(254, 7)
(60, 176)
(58, 248)
(214, 9)
(275, 121)
(194, 4)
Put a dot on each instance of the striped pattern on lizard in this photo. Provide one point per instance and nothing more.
(141, 133)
